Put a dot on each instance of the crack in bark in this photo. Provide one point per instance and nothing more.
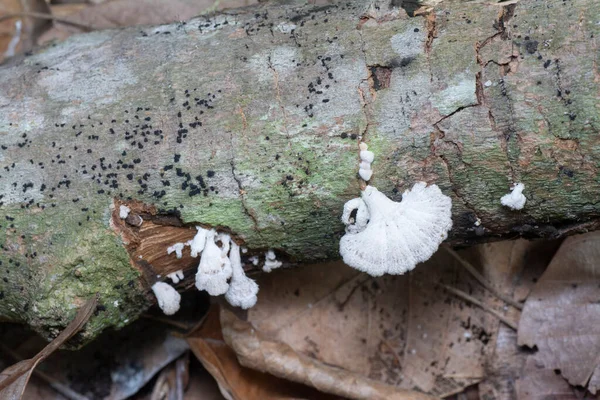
(242, 192)
(369, 81)
(502, 33)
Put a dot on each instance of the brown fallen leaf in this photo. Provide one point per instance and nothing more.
(254, 350)
(172, 380)
(19, 33)
(202, 386)
(562, 314)
(123, 13)
(235, 381)
(14, 378)
(404, 331)
(539, 383)
(513, 267)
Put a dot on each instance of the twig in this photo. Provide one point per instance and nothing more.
(53, 382)
(51, 17)
(473, 300)
(482, 280)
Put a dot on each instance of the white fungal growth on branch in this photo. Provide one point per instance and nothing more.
(515, 199)
(271, 262)
(397, 236)
(386, 237)
(198, 242)
(242, 290)
(176, 276)
(168, 298)
(366, 158)
(177, 248)
(220, 269)
(123, 211)
(214, 269)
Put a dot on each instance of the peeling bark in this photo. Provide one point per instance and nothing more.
(250, 120)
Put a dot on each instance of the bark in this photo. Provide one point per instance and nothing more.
(250, 120)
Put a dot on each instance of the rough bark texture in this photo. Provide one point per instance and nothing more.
(249, 121)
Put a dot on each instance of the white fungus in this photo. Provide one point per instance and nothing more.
(398, 235)
(254, 260)
(214, 270)
(168, 298)
(124, 211)
(362, 215)
(515, 200)
(242, 290)
(366, 158)
(177, 248)
(198, 242)
(176, 276)
(271, 262)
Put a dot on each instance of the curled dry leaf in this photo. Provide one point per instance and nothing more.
(404, 331)
(513, 267)
(235, 381)
(562, 314)
(254, 350)
(14, 378)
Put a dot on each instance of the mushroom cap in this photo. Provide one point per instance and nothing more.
(515, 199)
(242, 290)
(400, 235)
(198, 242)
(168, 298)
(214, 270)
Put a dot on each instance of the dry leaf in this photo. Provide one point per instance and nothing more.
(118, 363)
(14, 378)
(20, 33)
(257, 352)
(539, 383)
(400, 330)
(513, 267)
(172, 380)
(123, 13)
(562, 314)
(237, 382)
(202, 386)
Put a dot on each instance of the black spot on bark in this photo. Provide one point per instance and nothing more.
(410, 6)
(531, 46)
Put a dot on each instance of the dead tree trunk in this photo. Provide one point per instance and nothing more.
(249, 121)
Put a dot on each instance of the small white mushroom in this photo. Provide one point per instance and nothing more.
(198, 242)
(254, 260)
(242, 290)
(213, 271)
(366, 158)
(168, 298)
(365, 174)
(177, 248)
(124, 211)
(515, 199)
(176, 276)
(271, 262)
(397, 236)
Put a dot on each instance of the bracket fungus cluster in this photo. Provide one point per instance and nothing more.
(384, 236)
(516, 199)
(220, 271)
